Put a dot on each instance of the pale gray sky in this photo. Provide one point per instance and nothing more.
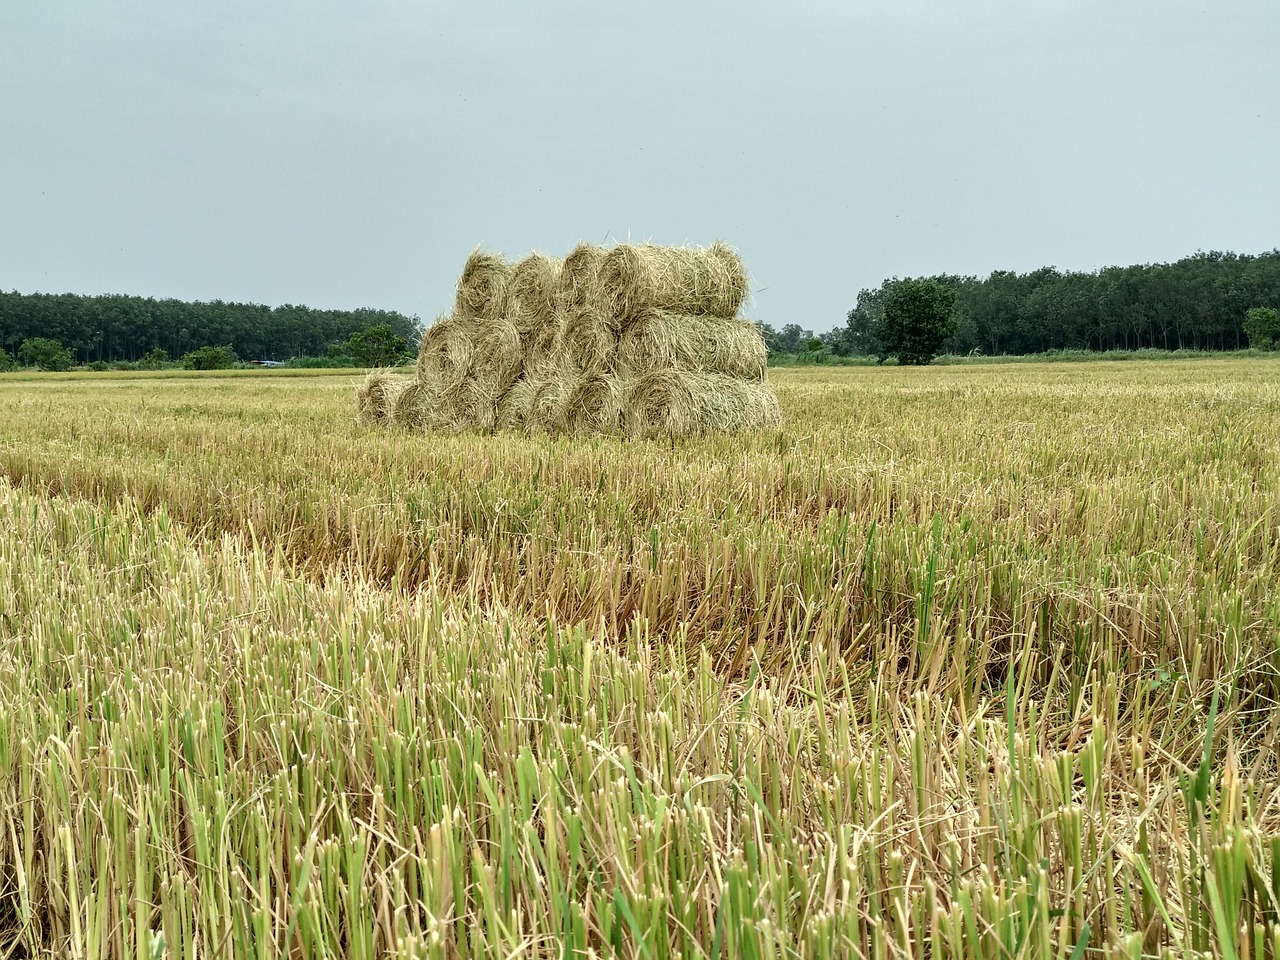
(344, 154)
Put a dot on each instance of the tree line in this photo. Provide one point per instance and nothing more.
(1201, 302)
(127, 328)
(1197, 303)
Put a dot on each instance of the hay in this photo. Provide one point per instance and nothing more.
(676, 279)
(677, 403)
(542, 352)
(468, 405)
(640, 338)
(445, 352)
(416, 408)
(515, 409)
(587, 405)
(580, 278)
(377, 394)
(497, 356)
(656, 340)
(587, 343)
(483, 288)
(534, 282)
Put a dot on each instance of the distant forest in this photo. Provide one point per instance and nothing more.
(1197, 303)
(114, 327)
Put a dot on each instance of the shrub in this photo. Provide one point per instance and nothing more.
(209, 358)
(154, 359)
(6, 361)
(376, 346)
(44, 354)
(97, 366)
(1262, 326)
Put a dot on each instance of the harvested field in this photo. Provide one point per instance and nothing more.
(969, 661)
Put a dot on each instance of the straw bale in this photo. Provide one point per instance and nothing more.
(580, 278)
(497, 356)
(468, 405)
(377, 394)
(484, 287)
(534, 282)
(675, 402)
(445, 352)
(542, 351)
(417, 407)
(677, 279)
(587, 343)
(657, 340)
(587, 405)
(515, 409)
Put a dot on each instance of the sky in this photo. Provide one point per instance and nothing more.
(348, 154)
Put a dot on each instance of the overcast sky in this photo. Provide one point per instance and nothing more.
(352, 154)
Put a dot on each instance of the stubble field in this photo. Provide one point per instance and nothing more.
(963, 661)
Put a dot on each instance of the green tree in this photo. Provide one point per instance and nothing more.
(917, 319)
(1262, 326)
(791, 339)
(6, 361)
(378, 346)
(209, 358)
(155, 359)
(44, 354)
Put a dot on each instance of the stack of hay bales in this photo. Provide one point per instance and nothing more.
(639, 339)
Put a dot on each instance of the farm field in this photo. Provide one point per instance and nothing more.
(960, 662)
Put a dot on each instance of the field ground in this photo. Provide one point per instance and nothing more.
(963, 661)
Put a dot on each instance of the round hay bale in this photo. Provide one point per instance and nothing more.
(515, 409)
(534, 282)
(657, 340)
(588, 342)
(676, 279)
(376, 396)
(468, 405)
(588, 405)
(548, 398)
(580, 277)
(416, 408)
(497, 356)
(677, 403)
(542, 352)
(445, 352)
(483, 288)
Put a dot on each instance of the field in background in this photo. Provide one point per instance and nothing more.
(981, 656)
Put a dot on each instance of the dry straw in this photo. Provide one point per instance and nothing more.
(377, 394)
(677, 279)
(542, 352)
(515, 409)
(657, 340)
(589, 405)
(497, 356)
(534, 282)
(674, 402)
(416, 408)
(444, 355)
(588, 343)
(580, 278)
(468, 405)
(483, 288)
